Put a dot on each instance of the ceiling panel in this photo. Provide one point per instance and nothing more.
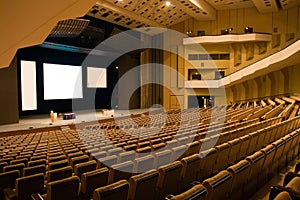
(230, 4)
(285, 4)
(266, 6)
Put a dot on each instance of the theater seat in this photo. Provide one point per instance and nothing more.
(18, 167)
(208, 159)
(79, 159)
(57, 174)
(92, 180)
(143, 186)
(256, 160)
(2, 165)
(197, 192)
(37, 162)
(7, 180)
(222, 157)
(81, 168)
(66, 189)
(267, 172)
(283, 196)
(294, 185)
(190, 170)
(58, 164)
(57, 158)
(25, 187)
(126, 156)
(27, 171)
(162, 158)
(240, 173)
(219, 186)
(121, 171)
(143, 164)
(107, 161)
(169, 179)
(114, 191)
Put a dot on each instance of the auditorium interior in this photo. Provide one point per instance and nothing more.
(150, 100)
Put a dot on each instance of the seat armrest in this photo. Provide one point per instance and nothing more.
(9, 194)
(168, 197)
(36, 196)
(275, 190)
(195, 183)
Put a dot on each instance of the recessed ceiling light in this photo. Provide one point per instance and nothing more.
(168, 3)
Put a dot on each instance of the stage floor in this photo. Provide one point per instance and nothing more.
(43, 121)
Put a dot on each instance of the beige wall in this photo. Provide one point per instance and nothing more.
(9, 94)
(282, 25)
(282, 82)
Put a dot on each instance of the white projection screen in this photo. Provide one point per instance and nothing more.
(96, 77)
(28, 85)
(62, 81)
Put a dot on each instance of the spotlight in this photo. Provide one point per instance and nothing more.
(248, 29)
(168, 3)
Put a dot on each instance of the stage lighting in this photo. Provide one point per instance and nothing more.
(248, 29)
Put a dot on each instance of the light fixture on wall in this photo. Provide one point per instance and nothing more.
(189, 33)
(226, 31)
(248, 29)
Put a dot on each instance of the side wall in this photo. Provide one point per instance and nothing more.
(9, 94)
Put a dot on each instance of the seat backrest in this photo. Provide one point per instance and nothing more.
(58, 164)
(107, 161)
(162, 158)
(98, 155)
(79, 159)
(198, 192)
(222, 156)
(219, 186)
(81, 168)
(126, 156)
(234, 151)
(28, 185)
(57, 158)
(178, 152)
(75, 154)
(143, 150)
(169, 178)
(114, 191)
(121, 171)
(18, 167)
(2, 165)
(190, 170)
(92, 180)
(61, 173)
(37, 162)
(143, 186)
(283, 196)
(17, 161)
(208, 160)
(67, 188)
(38, 157)
(294, 185)
(143, 164)
(240, 172)
(27, 171)
(193, 148)
(245, 142)
(114, 151)
(7, 179)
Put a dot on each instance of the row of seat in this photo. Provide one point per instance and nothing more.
(290, 189)
(241, 180)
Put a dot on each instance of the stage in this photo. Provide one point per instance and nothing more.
(44, 121)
